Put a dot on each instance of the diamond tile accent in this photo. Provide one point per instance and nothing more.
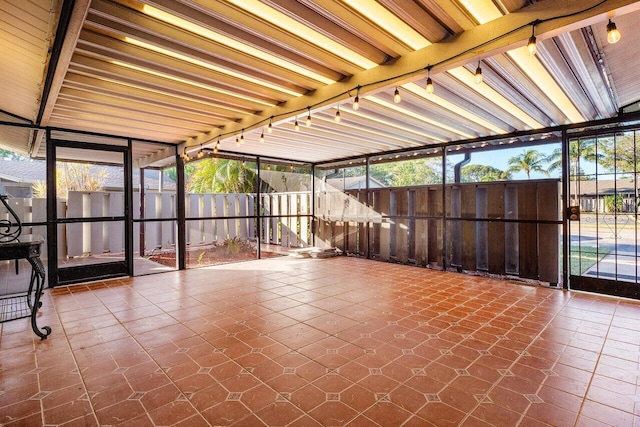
(256, 350)
(283, 397)
(446, 352)
(407, 351)
(483, 352)
(136, 396)
(333, 396)
(332, 371)
(230, 335)
(182, 350)
(369, 351)
(432, 397)
(433, 336)
(533, 398)
(375, 371)
(247, 370)
(383, 397)
(418, 371)
(365, 335)
(289, 370)
(332, 351)
(462, 372)
(185, 396)
(549, 373)
(204, 370)
(37, 370)
(502, 337)
(41, 395)
(392, 323)
(482, 398)
(234, 396)
(505, 372)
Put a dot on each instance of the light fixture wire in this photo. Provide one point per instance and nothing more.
(428, 68)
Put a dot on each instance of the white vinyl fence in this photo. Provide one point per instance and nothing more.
(236, 220)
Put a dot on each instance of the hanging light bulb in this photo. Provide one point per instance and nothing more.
(478, 77)
(429, 85)
(356, 100)
(242, 137)
(296, 126)
(396, 96)
(531, 45)
(613, 35)
(237, 141)
(200, 153)
(337, 117)
(270, 127)
(262, 138)
(308, 123)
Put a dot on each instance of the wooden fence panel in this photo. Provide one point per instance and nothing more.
(468, 210)
(303, 237)
(420, 234)
(528, 233)
(115, 233)
(242, 212)
(231, 209)
(166, 229)
(385, 227)
(209, 233)
(496, 236)
(75, 232)
(402, 225)
(221, 224)
(482, 229)
(548, 251)
(513, 237)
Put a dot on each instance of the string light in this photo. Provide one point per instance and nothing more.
(531, 45)
(396, 96)
(237, 141)
(337, 117)
(613, 35)
(308, 123)
(478, 77)
(262, 138)
(270, 127)
(217, 147)
(296, 126)
(200, 153)
(242, 137)
(429, 87)
(356, 101)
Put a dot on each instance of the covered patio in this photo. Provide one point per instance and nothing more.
(438, 145)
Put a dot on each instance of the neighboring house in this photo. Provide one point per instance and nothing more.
(352, 183)
(593, 193)
(18, 176)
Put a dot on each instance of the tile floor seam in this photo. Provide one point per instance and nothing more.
(593, 374)
(495, 384)
(75, 361)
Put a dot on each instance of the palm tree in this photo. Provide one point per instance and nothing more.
(579, 149)
(527, 162)
(222, 176)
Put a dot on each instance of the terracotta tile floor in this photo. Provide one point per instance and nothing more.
(341, 341)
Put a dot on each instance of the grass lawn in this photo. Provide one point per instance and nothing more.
(584, 257)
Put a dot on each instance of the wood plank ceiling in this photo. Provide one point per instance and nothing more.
(192, 72)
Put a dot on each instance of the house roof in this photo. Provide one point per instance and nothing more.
(193, 72)
(605, 187)
(31, 171)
